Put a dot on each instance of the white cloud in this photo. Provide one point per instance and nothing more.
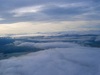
(48, 45)
(2, 19)
(26, 10)
(69, 5)
(59, 61)
(34, 9)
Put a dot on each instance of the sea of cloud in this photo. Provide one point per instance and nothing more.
(60, 54)
(55, 61)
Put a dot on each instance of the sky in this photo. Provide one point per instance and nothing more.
(31, 16)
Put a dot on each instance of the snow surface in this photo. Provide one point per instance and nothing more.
(58, 58)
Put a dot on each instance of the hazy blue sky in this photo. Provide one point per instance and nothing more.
(28, 16)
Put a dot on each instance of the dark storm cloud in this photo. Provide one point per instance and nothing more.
(53, 10)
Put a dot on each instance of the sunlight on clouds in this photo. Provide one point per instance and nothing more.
(2, 19)
(34, 9)
(24, 10)
(29, 27)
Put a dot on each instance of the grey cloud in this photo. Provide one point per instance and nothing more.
(50, 12)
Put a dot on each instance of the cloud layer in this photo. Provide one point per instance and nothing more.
(13, 11)
(49, 11)
(55, 61)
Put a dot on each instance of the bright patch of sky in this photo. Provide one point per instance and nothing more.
(29, 16)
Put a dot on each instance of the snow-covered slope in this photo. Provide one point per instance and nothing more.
(71, 60)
